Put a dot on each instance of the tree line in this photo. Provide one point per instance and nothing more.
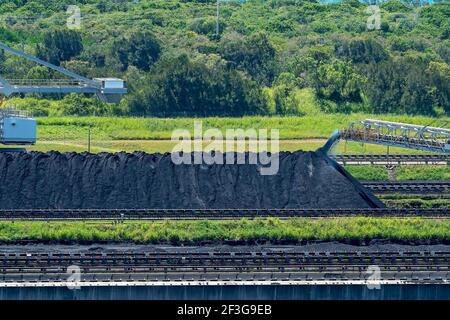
(271, 57)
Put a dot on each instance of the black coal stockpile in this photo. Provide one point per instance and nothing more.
(140, 180)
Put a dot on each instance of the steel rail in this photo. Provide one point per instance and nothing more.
(410, 187)
(222, 269)
(392, 159)
(412, 266)
(190, 256)
(211, 214)
(242, 262)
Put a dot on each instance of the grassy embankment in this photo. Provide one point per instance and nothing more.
(259, 230)
(291, 127)
(417, 202)
(153, 134)
(421, 172)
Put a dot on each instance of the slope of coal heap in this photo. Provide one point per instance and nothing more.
(140, 180)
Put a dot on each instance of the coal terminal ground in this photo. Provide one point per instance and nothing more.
(157, 265)
(79, 186)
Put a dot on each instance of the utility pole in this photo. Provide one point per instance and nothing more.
(89, 138)
(217, 18)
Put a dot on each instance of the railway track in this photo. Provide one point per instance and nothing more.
(211, 214)
(190, 265)
(392, 159)
(409, 187)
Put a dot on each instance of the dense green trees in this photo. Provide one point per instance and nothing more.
(338, 81)
(361, 50)
(254, 54)
(439, 79)
(404, 85)
(271, 57)
(140, 49)
(284, 94)
(60, 45)
(180, 86)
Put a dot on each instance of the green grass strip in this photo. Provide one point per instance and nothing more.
(291, 127)
(270, 229)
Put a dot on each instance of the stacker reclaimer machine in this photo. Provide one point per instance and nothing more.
(19, 128)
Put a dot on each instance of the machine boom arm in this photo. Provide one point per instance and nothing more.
(47, 64)
(107, 89)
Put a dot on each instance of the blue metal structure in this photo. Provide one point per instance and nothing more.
(16, 127)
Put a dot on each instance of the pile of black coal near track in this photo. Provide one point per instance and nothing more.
(139, 180)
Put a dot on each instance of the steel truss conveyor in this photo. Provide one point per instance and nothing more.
(398, 135)
(409, 187)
